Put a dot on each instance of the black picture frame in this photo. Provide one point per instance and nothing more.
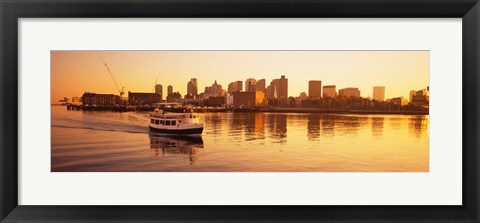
(11, 11)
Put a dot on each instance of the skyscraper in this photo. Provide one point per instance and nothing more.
(273, 89)
(315, 89)
(282, 87)
(349, 92)
(159, 90)
(240, 85)
(260, 86)
(250, 84)
(192, 87)
(169, 90)
(214, 90)
(329, 91)
(235, 86)
(195, 81)
(379, 93)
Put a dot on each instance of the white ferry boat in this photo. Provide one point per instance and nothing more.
(175, 123)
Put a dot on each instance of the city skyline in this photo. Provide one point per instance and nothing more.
(75, 72)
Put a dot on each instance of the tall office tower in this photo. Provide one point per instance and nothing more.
(315, 89)
(159, 90)
(169, 90)
(217, 89)
(329, 91)
(379, 93)
(192, 87)
(240, 85)
(349, 92)
(235, 86)
(282, 87)
(260, 86)
(250, 84)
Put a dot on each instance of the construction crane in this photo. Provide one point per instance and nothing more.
(120, 91)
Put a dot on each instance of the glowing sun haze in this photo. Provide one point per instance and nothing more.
(76, 72)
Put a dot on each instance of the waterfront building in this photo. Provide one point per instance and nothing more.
(250, 84)
(379, 93)
(143, 98)
(215, 101)
(421, 98)
(349, 92)
(229, 100)
(159, 90)
(315, 89)
(100, 100)
(76, 100)
(192, 87)
(399, 101)
(329, 91)
(249, 99)
(65, 100)
(411, 94)
(169, 90)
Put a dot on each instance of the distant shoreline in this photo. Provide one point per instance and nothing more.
(318, 111)
(275, 110)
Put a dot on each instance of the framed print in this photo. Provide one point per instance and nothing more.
(239, 111)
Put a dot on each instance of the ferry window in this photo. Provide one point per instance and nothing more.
(161, 122)
(173, 122)
(168, 123)
(152, 121)
(156, 122)
(179, 121)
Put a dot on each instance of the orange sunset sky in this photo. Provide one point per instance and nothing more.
(75, 72)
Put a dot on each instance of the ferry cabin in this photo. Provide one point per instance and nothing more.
(175, 123)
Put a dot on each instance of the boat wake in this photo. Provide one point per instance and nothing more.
(130, 123)
(137, 129)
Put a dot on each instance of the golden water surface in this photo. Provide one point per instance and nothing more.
(241, 142)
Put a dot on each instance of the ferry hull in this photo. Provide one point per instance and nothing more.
(195, 131)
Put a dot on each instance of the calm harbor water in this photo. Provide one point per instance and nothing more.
(241, 142)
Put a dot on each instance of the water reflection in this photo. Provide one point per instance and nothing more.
(215, 121)
(277, 127)
(250, 125)
(241, 142)
(419, 126)
(328, 126)
(396, 123)
(350, 124)
(162, 145)
(313, 126)
(377, 126)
